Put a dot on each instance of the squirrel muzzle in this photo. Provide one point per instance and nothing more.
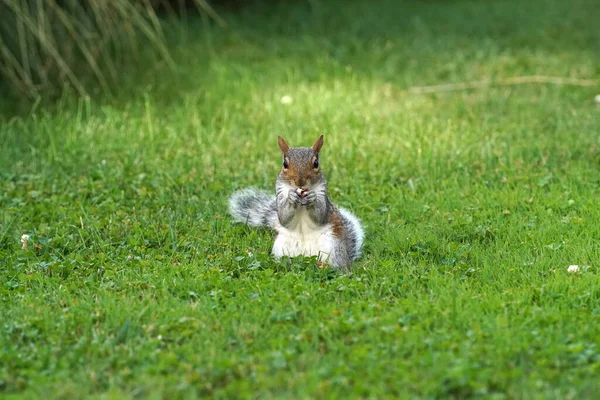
(301, 182)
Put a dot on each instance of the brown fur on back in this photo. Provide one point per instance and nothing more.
(337, 224)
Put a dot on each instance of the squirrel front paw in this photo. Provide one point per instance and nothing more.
(295, 197)
(309, 198)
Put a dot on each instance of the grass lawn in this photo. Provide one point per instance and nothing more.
(136, 283)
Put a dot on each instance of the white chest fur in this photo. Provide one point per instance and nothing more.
(303, 237)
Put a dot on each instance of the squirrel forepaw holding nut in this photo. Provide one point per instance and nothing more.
(309, 198)
(295, 197)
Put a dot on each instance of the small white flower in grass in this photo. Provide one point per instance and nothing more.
(573, 269)
(24, 241)
(286, 100)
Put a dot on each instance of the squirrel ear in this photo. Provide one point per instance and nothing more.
(318, 144)
(283, 144)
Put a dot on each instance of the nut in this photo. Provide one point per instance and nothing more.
(301, 192)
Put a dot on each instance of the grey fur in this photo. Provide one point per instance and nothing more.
(253, 207)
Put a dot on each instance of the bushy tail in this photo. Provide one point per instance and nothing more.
(253, 207)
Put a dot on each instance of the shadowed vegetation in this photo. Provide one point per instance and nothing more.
(47, 47)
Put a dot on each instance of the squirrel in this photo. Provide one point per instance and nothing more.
(306, 221)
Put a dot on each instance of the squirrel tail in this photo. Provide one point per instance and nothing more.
(253, 207)
(356, 234)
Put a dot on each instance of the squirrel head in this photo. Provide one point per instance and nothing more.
(301, 167)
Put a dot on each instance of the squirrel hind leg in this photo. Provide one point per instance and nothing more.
(339, 258)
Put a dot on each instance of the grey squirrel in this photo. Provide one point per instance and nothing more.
(306, 221)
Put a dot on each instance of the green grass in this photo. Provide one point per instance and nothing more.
(475, 203)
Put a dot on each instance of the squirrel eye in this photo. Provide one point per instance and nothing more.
(316, 164)
(285, 164)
